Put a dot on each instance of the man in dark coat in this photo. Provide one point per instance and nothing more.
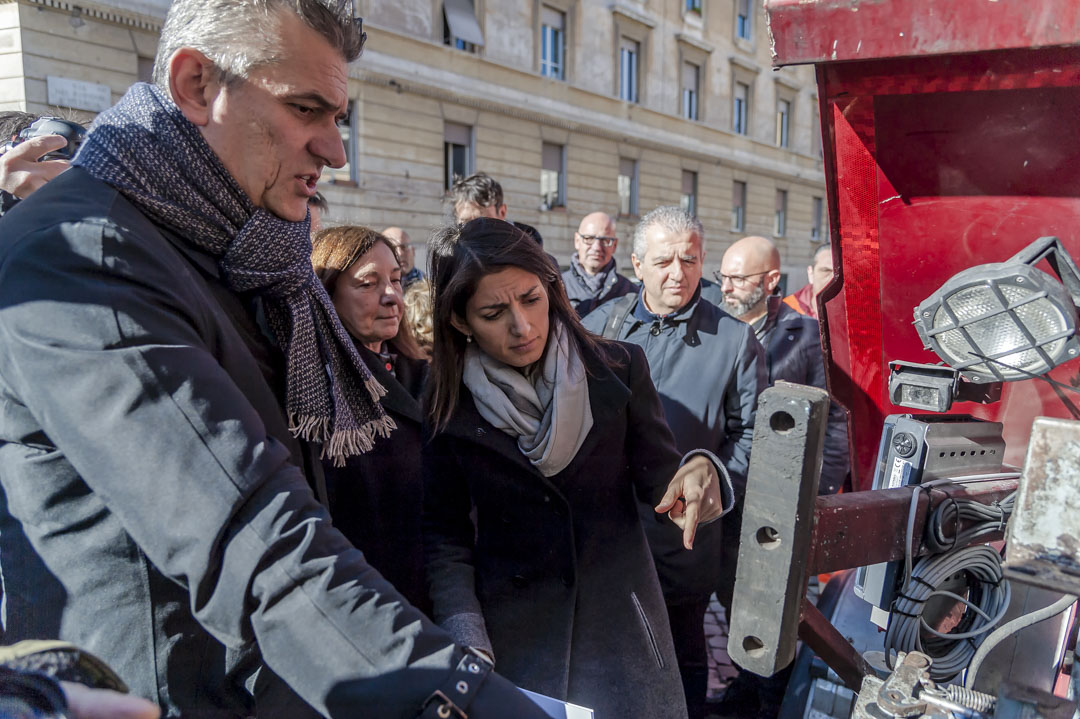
(592, 279)
(708, 369)
(792, 342)
(166, 352)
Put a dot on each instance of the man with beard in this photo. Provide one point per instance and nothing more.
(749, 277)
(592, 280)
(708, 370)
(172, 370)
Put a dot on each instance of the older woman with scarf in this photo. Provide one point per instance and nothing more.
(375, 497)
(542, 435)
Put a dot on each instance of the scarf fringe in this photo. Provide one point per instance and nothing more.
(375, 388)
(357, 441)
(312, 429)
(340, 445)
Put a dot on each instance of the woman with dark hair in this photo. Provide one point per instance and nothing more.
(542, 435)
(375, 498)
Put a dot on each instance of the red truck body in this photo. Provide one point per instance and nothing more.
(951, 138)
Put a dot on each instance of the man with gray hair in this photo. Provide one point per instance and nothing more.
(172, 370)
(708, 370)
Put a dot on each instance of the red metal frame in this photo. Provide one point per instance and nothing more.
(951, 137)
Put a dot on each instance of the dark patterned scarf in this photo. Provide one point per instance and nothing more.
(151, 153)
(593, 283)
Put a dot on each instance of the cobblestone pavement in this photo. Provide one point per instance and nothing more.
(721, 670)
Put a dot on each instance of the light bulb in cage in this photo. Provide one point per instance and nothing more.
(1005, 321)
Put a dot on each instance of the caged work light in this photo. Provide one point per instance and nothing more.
(1006, 321)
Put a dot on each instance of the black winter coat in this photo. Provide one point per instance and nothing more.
(375, 499)
(557, 569)
(146, 457)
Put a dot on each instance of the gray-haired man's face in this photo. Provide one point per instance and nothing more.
(276, 130)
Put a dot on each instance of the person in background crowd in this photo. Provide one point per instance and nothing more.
(543, 434)
(375, 497)
(407, 253)
(819, 273)
(479, 195)
(708, 370)
(418, 315)
(21, 171)
(750, 275)
(318, 206)
(592, 280)
(168, 363)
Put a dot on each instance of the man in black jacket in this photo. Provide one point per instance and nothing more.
(592, 280)
(708, 370)
(170, 369)
(750, 275)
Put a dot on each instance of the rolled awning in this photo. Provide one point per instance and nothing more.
(461, 17)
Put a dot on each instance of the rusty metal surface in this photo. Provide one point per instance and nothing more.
(805, 31)
(1044, 533)
(834, 649)
(860, 528)
(777, 523)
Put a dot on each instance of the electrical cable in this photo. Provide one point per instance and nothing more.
(988, 600)
(984, 519)
(1012, 627)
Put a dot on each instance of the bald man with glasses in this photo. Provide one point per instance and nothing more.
(592, 279)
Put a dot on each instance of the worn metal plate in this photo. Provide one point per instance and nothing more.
(1043, 547)
(777, 525)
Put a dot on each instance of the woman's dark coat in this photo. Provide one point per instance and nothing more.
(375, 498)
(558, 567)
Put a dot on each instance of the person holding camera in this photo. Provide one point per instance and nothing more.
(24, 165)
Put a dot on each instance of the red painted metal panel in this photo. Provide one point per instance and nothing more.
(935, 165)
(811, 31)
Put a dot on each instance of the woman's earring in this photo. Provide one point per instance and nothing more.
(468, 338)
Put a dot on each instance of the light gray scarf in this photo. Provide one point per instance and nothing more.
(549, 413)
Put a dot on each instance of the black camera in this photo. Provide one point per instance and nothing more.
(73, 132)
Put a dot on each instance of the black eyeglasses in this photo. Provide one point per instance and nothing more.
(605, 241)
(738, 280)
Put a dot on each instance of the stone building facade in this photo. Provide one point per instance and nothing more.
(573, 105)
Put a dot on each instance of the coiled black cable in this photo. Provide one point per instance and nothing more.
(987, 600)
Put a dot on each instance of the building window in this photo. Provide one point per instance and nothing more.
(783, 122)
(743, 19)
(629, 63)
(693, 6)
(818, 219)
(628, 186)
(347, 127)
(740, 113)
(738, 206)
(688, 200)
(691, 79)
(457, 152)
(552, 177)
(461, 29)
(552, 43)
(780, 218)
